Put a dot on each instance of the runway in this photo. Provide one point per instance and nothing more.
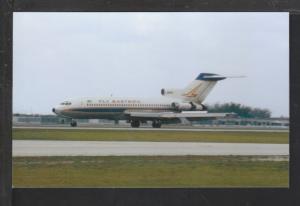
(181, 129)
(118, 148)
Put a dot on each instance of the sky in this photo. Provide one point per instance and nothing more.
(58, 56)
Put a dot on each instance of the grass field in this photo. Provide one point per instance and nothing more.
(165, 136)
(176, 171)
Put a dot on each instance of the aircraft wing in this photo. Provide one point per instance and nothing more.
(174, 115)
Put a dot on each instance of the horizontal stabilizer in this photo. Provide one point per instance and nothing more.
(210, 77)
(214, 77)
(235, 76)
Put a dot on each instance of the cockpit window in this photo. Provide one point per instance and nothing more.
(66, 103)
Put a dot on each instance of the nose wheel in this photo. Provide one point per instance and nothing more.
(73, 123)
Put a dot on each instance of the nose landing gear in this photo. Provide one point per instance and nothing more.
(73, 123)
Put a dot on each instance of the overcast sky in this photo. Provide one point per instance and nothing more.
(58, 56)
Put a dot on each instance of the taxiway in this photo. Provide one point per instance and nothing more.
(124, 148)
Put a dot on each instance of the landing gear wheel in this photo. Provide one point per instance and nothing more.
(73, 123)
(135, 123)
(156, 124)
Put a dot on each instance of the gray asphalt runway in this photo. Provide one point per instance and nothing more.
(192, 129)
(108, 148)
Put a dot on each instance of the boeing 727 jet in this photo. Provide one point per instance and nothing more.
(177, 104)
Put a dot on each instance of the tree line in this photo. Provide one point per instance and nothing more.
(239, 109)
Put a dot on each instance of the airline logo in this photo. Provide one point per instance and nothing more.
(117, 101)
(193, 92)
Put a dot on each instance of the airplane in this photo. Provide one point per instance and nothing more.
(177, 105)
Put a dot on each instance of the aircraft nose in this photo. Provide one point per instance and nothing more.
(55, 110)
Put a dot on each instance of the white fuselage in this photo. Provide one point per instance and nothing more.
(117, 108)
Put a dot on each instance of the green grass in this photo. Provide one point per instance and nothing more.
(186, 136)
(160, 171)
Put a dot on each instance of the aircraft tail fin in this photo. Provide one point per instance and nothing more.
(197, 90)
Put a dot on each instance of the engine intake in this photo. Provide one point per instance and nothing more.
(165, 92)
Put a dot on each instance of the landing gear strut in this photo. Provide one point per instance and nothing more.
(73, 123)
(156, 124)
(135, 123)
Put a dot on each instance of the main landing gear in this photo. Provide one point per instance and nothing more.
(73, 123)
(156, 124)
(137, 123)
